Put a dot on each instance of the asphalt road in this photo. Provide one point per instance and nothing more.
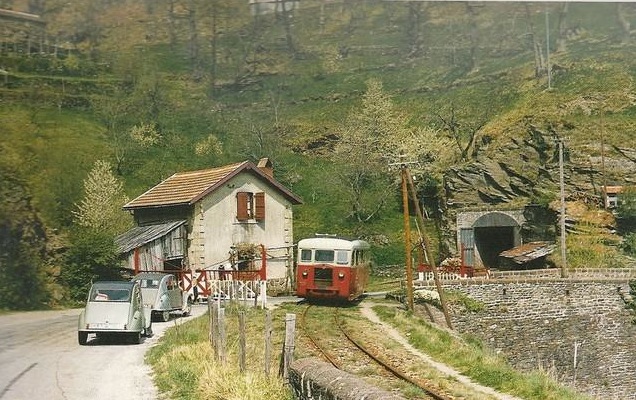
(41, 359)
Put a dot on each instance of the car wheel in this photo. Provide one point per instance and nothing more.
(148, 331)
(82, 338)
(165, 316)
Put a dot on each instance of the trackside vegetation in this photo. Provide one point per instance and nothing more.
(471, 358)
(185, 365)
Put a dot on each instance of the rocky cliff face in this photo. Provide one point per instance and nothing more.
(527, 169)
(524, 171)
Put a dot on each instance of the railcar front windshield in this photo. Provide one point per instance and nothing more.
(340, 257)
(305, 255)
(324, 255)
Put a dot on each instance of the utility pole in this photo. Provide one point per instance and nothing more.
(547, 47)
(407, 240)
(427, 245)
(564, 264)
(603, 159)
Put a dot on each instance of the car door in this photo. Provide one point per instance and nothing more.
(174, 292)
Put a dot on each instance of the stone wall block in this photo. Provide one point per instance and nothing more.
(312, 379)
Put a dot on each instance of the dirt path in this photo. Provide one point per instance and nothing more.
(367, 312)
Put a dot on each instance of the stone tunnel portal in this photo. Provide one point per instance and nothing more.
(483, 235)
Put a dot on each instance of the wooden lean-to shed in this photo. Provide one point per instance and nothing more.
(237, 216)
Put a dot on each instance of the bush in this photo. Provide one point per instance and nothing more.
(626, 209)
(92, 256)
(22, 247)
(629, 244)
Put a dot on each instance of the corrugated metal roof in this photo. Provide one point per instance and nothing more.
(140, 235)
(528, 252)
(185, 188)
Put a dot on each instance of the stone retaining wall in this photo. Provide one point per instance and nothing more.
(579, 330)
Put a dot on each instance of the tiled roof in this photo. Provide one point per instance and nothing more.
(186, 188)
(612, 189)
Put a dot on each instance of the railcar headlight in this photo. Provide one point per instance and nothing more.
(341, 275)
(305, 274)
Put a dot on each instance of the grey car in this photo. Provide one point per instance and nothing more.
(162, 294)
(114, 308)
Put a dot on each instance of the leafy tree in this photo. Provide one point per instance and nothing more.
(464, 134)
(100, 209)
(361, 149)
(629, 245)
(210, 145)
(373, 137)
(626, 209)
(22, 247)
(145, 135)
(92, 256)
(627, 204)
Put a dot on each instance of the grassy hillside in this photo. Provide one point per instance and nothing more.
(282, 85)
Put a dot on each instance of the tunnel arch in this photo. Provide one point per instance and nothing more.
(483, 235)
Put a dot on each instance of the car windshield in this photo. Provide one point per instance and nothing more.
(118, 294)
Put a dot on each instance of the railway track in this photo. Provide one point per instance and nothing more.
(378, 359)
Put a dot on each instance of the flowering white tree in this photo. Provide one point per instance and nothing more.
(210, 145)
(146, 135)
(375, 136)
(100, 209)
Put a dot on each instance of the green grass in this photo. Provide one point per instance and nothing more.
(185, 365)
(474, 360)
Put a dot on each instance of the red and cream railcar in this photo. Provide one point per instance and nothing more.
(330, 268)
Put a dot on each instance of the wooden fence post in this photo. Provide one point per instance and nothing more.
(213, 329)
(222, 338)
(263, 293)
(256, 291)
(241, 320)
(288, 350)
(268, 340)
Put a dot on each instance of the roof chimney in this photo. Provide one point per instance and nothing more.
(266, 166)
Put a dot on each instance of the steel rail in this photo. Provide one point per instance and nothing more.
(377, 359)
(313, 341)
(396, 372)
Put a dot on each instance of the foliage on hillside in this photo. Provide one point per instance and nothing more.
(22, 247)
(156, 87)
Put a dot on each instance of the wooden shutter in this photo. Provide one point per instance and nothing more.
(259, 206)
(242, 213)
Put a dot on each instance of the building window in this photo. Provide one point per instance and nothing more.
(250, 206)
